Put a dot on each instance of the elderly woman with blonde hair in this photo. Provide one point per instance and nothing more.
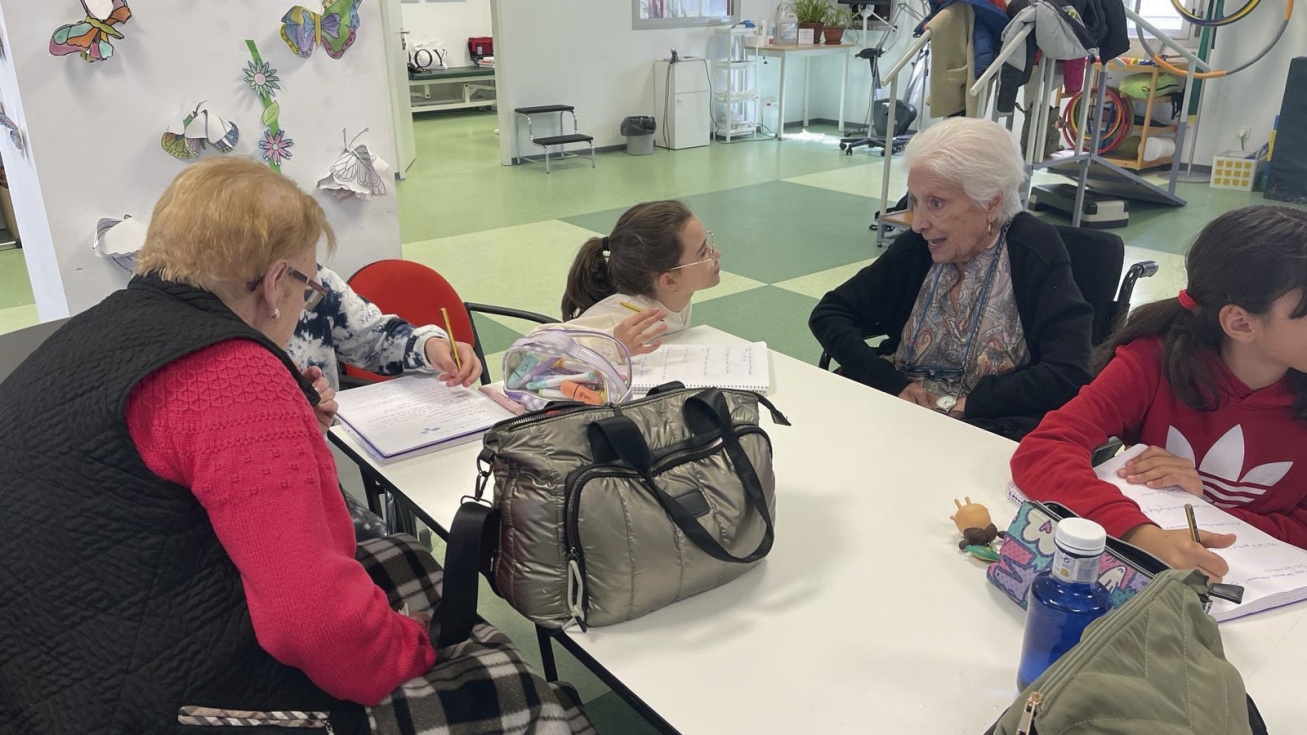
(980, 314)
(212, 575)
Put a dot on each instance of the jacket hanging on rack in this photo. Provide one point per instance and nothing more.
(953, 69)
(1059, 33)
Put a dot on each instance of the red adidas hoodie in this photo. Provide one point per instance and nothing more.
(1250, 452)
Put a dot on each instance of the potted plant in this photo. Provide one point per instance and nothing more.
(838, 19)
(812, 14)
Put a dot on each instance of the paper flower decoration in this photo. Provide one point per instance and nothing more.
(357, 173)
(90, 36)
(275, 147)
(187, 138)
(261, 78)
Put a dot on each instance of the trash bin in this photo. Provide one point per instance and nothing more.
(639, 131)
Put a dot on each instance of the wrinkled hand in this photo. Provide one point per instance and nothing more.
(916, 393)
(1156, 467)
(639, 331)
(326, 408)
(1178, 549)
(439, 356)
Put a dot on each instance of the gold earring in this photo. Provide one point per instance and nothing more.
(989, 227)
(276, 314)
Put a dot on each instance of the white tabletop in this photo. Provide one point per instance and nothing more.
(865, 616)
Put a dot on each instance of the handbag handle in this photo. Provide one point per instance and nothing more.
(706, 413)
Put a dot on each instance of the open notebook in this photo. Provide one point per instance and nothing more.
(1272, 572)
(742, 366)
(413, 412)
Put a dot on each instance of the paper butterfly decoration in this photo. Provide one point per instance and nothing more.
(357, 173)
(119, 239)
(334, 28)
(90, 37)
(187, 137)
(15, 132)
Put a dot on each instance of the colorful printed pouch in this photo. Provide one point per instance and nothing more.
(1028, 550)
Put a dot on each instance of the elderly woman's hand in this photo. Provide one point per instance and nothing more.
(916, 393)
(327, 407)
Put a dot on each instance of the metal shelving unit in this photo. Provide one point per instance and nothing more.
(735, 101)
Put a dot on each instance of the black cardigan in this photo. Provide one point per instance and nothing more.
(1056, 320)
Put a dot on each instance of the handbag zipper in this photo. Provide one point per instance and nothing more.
(1026, 724)
(578, 599)
(566, 409)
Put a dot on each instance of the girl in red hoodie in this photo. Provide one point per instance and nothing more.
(1214, 381)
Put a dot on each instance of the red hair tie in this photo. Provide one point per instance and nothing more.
(1186, 300)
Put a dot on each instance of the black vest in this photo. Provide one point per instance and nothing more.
(118, 605)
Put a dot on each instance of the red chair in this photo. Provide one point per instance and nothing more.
(415, 293)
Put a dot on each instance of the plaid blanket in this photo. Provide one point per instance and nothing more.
(477, 687)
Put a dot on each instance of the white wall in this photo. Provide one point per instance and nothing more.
(1250, 97)
(584, 53)
(450, 22)
(93, 129)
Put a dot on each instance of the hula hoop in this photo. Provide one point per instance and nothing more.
(1123, 118)
(1165, 65)
(1199, 20)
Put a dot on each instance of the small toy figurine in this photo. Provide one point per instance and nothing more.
(978, 531)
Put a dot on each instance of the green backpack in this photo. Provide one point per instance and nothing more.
(1154, 666)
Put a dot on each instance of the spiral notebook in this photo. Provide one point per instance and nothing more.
(1272, 572)
(742, 366)
(413, 412)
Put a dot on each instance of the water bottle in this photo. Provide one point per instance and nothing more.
(1065, 599)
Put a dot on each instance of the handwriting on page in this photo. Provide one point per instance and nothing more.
(412, 412)
(740, 365)
(1271, 571)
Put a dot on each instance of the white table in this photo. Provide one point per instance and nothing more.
(804, 51)
(865, 617)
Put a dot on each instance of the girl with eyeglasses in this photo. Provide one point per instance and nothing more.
(637, 282)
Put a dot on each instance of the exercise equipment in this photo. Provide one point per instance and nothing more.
(1098, 210)
(1214, 22)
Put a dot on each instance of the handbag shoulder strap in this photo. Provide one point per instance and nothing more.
(468, 551)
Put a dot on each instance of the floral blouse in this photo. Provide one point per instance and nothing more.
(943, 346)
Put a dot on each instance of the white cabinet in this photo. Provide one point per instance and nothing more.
(682, 106)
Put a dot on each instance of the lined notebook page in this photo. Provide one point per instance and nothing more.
(413, 412)
(742, 365)
(1272, 572)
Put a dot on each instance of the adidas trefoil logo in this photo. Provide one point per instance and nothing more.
(1220, 469)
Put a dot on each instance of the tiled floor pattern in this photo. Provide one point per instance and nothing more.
(791, 220)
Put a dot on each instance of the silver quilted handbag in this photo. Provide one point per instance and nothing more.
(602, 514)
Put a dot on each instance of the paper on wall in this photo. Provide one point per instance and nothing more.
(357, 173)
(119, 239)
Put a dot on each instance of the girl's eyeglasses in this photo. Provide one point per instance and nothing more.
(713, 254)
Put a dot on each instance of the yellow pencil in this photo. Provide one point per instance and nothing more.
(449, 334)
(1193, 525)
(632, 307)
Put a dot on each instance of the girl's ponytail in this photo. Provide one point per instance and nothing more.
(587, 281)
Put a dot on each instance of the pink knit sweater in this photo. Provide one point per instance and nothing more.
(229, 423)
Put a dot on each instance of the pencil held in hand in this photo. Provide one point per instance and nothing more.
(1193, 524)
(449, 334)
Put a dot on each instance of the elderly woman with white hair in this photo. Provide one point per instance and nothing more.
(980, 314)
